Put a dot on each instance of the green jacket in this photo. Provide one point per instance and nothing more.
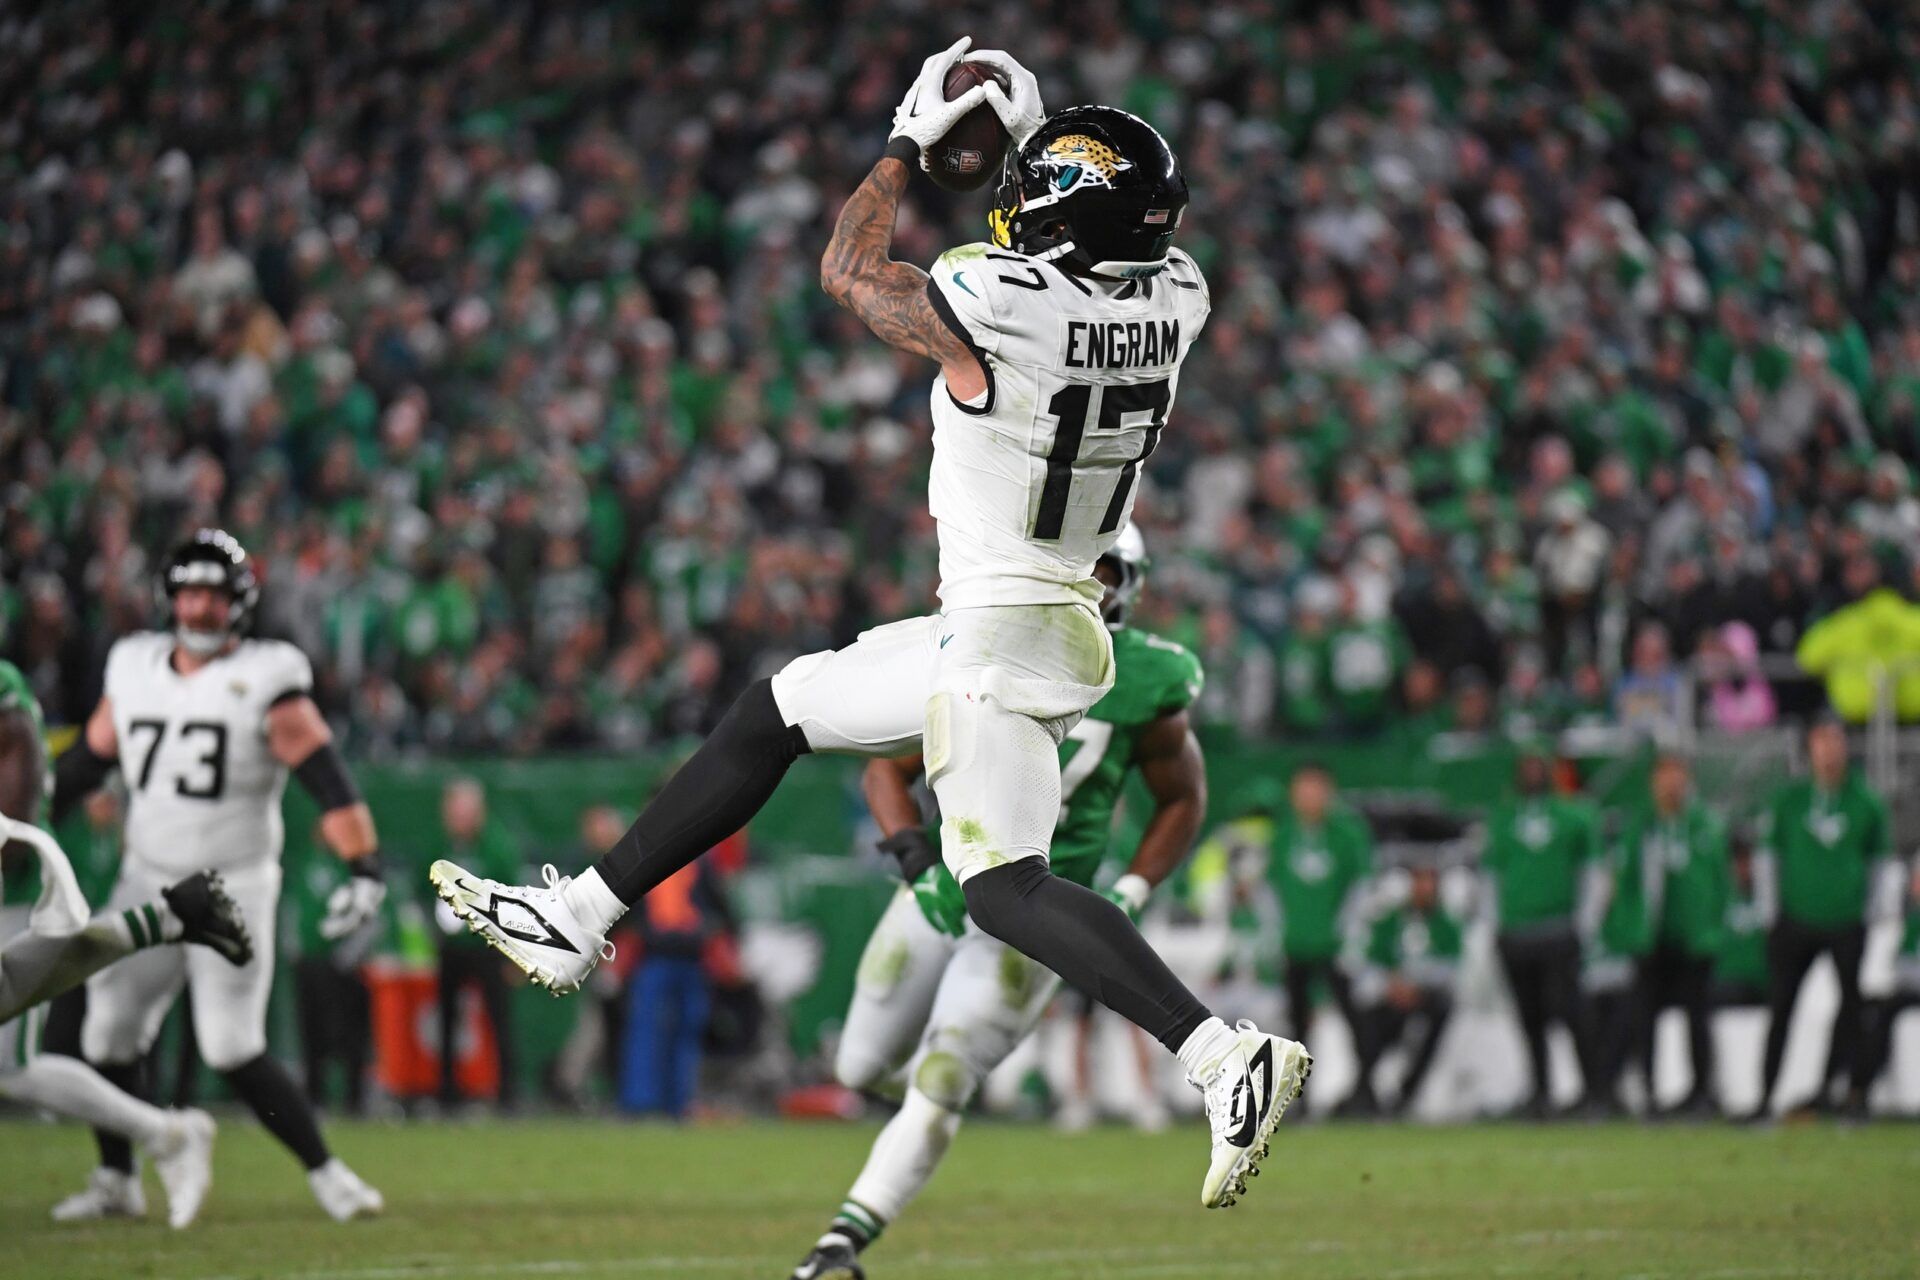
(1742, 958)
(1389, 936)
(1538, 847)
(1364, 660)
(20, 881)
(1306, 700)
(1824, 847)
(1314, 871)
(1671, 876)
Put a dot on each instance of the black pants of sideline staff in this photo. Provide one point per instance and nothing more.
(1301, 977)
(1669, 976)
(462, 963)
(1792, 948)
(336, 1029)
(1543, 969)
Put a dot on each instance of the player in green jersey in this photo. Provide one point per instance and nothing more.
(938, 1003)
(50, 946)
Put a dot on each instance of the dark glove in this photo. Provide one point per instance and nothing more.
(913, 850)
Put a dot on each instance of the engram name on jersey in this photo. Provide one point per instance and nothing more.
(203, 791)
(1032, 483)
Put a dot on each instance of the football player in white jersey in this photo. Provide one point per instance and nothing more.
(1059, 346)
(48, 945)
(938, 1004)
(204, 725)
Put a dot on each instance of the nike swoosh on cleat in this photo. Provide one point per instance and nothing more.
(550, 938)
(1247, 1113)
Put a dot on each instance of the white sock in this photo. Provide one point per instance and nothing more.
(69, 1087)
(904, 1156)
(592, 903)
(1205, 1047)
(148, 925)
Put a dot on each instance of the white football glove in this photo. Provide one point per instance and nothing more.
(924, 115)
(1022, 114)
(351, 906)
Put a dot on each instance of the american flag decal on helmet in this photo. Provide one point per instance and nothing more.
(1155, 215)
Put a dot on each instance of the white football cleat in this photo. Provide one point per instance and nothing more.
(1247, 1090)
(530, 925)
(109, 1194)
(343, 1193)
(184, 1161)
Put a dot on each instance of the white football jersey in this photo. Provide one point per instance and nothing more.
(203, 791)
(1031, 485)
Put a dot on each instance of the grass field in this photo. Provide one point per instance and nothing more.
(577, 1198)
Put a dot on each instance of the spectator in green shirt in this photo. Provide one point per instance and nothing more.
(1402, 956)
(1305, 696)
(1546, 884)
(1826, 839)
(1322, 854)
(1673, 870)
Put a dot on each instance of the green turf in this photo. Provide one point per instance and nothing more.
(603, 1200)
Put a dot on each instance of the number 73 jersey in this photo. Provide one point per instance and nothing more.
(1032, 482)
(203, 791)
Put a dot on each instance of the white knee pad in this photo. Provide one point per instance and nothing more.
(997, 774)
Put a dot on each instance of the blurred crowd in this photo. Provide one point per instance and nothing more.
(1554, 347)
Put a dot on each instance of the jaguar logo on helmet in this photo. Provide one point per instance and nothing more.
(1078, 160)
(1095, 191)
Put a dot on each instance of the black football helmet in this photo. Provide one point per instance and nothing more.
(1095, 191)
(211, 558)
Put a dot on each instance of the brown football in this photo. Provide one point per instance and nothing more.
(969, 156)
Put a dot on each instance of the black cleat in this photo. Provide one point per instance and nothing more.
(209, 917)
(834, 1261)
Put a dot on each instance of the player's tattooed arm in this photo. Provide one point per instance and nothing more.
(890, 297)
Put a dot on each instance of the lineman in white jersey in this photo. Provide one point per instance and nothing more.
(204, 725)
(1059, 346)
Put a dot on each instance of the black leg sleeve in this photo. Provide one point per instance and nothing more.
(711, 796)
(116, 1151)
(1088, 941)
(266, 1087)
